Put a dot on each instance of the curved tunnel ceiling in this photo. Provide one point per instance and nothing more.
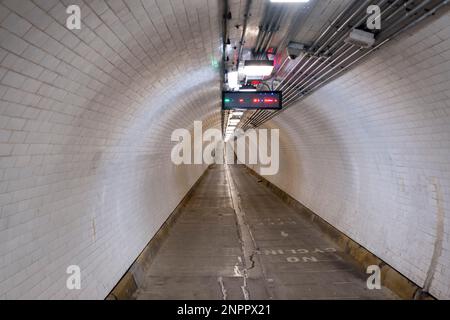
(85, 124)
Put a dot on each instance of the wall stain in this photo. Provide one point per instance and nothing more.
(437, 251)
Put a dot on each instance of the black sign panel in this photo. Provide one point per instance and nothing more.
(258, 100)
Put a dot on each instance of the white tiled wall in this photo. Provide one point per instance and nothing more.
(370, 153)
(85, 124)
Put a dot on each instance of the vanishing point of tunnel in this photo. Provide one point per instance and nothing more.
(224, 149)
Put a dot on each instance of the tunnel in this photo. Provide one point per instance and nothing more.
(121, 176)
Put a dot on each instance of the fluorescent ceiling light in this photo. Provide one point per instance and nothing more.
(238, 113)
(247, 88)
(258, 68)
(233, 80)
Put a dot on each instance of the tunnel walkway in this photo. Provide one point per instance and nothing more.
(236, 239)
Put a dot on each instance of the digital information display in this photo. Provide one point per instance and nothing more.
(266, 100)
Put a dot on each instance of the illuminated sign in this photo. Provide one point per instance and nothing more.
(266, 100)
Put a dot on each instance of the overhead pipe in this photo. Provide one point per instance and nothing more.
(329, 61)
(338, 42)
(244, 30)
(409, 14)
(225, 9)
(309, 57)
(305, 89)
(344, 24)
(307, 75)
(292, 74)
(293, 28)
(274, 28)
(399, 9)
(418, 7)
(262, 28)
(267, 32)
(256, 117)
(335, 21)
(410, 25)
(257, 114)
(323, 82)
(261, 32)
(359, 23)
(323, 33)
(268, 28)
(343, 12)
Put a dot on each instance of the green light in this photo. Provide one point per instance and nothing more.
(214, 62)
(228, 100)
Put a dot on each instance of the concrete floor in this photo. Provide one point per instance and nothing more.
(235, 239)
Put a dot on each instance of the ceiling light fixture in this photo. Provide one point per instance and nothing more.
(295, 49)
(360, 38)
(233, 80)
(258, 68)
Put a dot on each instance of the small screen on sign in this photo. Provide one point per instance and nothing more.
(268, 100)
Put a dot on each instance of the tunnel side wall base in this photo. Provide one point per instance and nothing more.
(131, 280)
(390, 278)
